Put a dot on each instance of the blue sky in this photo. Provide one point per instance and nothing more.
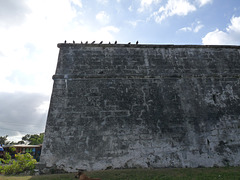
(31, 29)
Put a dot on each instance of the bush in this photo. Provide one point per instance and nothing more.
(12, 149)
(23, 162)
(1, 169)
(2, 161)
(6, 159)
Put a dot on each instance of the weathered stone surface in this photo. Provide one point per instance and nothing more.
(145, 106)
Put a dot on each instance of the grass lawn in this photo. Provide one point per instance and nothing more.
(227, 173)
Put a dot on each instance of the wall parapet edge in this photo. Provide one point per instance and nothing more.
(61, 45)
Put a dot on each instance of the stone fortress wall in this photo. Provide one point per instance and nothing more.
(149, 106)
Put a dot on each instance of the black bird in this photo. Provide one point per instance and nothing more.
(115, 42)
(81, 42)
(65, 41)
(137, 42)
(73, 42)
(129, 43)
(109, 42)
(86, 42)
(101, 42)
(93, 42)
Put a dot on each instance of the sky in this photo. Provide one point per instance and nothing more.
(31, 29)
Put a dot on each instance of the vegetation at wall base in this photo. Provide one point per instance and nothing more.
(22, 163)
(6, 159)
(228, 173)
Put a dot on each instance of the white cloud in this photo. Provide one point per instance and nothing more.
(43, 107)
(16, 138)
(104, 34)
(28, 51)
(13, 13)
(204, 2)
(30, 48)
(103, 17)
(234, 28)
(195, 27)
(102, 1)
(173, 7)
(145, 4)
(110, 29)
(29, 33)
(186, 29)
(130, 8)
(22, 113)
(216, 37)
(134, 23)
(198, 27)
(231, 36)
(77, 3)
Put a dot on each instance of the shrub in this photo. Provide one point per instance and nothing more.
(12, 149)
(1, 169)
(6, 159)
(2, 161)
(23, 162)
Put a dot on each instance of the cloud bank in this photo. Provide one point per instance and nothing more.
(170, 8)
(103, 17)
(23, 113)
(173, 7)
(13, 13)
(29, 33)
(195, 27)
(204, 2)
(230, 36)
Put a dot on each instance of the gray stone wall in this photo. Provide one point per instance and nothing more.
(150, 106)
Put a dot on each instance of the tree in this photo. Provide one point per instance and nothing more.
(26, 137)
(21, 142)
(3, 140)
(33, 139)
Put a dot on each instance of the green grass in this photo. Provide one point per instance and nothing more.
(228, 173)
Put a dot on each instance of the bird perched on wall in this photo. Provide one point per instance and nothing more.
(137, 42)
(101, 42)
(81, 42)
(115, 42)
(65, 41)
(93, 42)
(86, 42)
(129, 43)
(73, 42)
(109, 42)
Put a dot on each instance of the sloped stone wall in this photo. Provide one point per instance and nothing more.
(150, 106)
